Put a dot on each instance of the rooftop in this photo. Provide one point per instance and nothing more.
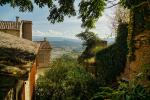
(44, 45)
(16, 54)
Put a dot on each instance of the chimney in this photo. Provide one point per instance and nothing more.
(27, 29)
(17, 19)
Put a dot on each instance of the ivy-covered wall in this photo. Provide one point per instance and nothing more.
(139, 38)
(139, 21)
(110, 62)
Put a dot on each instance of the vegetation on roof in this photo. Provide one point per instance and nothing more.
(13, 71)
(11, 41)
(15, 51)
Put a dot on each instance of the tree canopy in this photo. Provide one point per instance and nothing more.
(89, 10)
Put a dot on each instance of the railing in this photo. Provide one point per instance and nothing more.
(10, 25)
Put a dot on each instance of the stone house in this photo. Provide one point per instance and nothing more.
(17, 67)
(24, 56)
(23, 29)
(19, 28)
(43, 57)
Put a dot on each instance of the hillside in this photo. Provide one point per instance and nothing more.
(60, 42)
(62, 45)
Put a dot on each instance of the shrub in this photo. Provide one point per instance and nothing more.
(65, 80)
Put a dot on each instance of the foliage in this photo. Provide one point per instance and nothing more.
(111, 61)
(90, 41)
(133, 3)
(146, 71)
(89, 10)
(138, 23)
(124, 91)
(88, 38)
(65, 80)
(24, 5)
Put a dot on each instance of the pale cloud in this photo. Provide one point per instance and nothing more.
(49, 33)
(53, 33)
(37, 33)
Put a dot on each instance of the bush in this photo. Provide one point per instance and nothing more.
(134, 91)
(65, 80)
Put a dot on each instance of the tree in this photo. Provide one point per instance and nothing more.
(90, 41)
(89, 10)
(24, 5)
(65, 80)
(89, 38)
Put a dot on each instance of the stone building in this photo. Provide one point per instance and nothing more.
(17, 67)
(23, 29)
(20, 59)
(43, 57)
(19, 28)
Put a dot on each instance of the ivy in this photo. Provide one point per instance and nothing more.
(139, 21)
(111, 61)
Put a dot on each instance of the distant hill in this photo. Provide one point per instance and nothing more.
(40, 38)
(60, 42)
(63, 45)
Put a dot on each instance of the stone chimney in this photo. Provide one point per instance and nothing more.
(17, 19)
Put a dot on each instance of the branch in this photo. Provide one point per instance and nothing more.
(140, 4)
(112, 5)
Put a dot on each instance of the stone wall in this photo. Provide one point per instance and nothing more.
(142, 53)
(43, 58)
(139, 44)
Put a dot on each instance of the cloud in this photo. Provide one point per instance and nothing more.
(37, 33)
(49, 33)
(53, 33)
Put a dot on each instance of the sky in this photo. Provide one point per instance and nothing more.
(69, 28)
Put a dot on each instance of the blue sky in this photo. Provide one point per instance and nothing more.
(68, 28)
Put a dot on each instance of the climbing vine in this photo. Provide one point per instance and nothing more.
(111, 61)
(139, 21)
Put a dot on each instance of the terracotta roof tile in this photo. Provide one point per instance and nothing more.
(44, 44)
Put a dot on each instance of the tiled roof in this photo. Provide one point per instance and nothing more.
(10, 25)
(44, 45)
